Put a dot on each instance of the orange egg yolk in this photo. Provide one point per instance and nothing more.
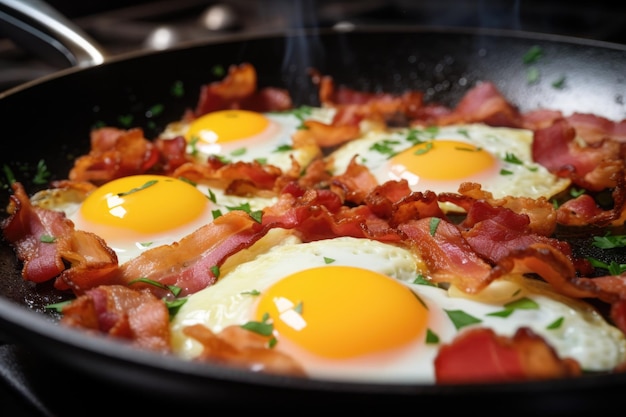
(227, 126)
(144, 204)
(343, 312)
(441, 160)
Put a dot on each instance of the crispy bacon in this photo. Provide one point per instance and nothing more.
(190, 263)
(115, 153)
(447, 255)
(120, 312)
(258, 176)
(479, 355)
(594, 167)
(238, 90)
(496, 238)
(242, 348)
(483, 103)
(45, 241)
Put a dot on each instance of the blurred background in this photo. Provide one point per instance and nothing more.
(127, 25)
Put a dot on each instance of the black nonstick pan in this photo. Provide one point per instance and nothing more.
(50, 119)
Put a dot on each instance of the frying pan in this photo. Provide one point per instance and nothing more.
(50, 119)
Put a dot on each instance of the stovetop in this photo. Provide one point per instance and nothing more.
(30, 388)
(123, 26)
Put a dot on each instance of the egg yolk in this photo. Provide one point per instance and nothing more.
(442, 160)
(227, 126)
(343, 312)
(145, 204)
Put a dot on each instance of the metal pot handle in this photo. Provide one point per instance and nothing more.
(39, 28)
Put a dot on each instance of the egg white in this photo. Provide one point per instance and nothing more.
(69, 201)
(266, 145)
(584, 335)
(526, 179)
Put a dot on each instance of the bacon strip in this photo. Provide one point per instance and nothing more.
(189, 264)
(242, 348)
(123, 313)
(238, 90)
(45, 240)
(479, 355)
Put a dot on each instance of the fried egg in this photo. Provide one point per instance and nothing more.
(136, 213)
(439, 159)
(352, 309)
(244, 135)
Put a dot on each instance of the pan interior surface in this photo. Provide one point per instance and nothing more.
(442, 63)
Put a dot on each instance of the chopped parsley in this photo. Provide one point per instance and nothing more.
(513, 159)
(555, 324)
(239, 152)
(47, 239)
(136, 189)
(559, 83)
(533, 54)
(126, 120)
(425, 149)
(255, 214)
(175, 290)
(609, 241)
(431, 337)
(42, 174)
(532, 75)
(177, 89)
(263, 327)
(155, 110)
(461, 319)
(434, 223)
(613, 267)
(58, 307)
(8, 173)
(385, 147)
(420, 280)
(523, 303)
(283, 148)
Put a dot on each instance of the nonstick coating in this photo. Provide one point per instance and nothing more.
(50, 119)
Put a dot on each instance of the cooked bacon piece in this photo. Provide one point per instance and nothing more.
(447, 255)
(114, 153)
(238, 90)
(540, 118)
(618, 315)
(120, 312)
(354, 106)
(319, 214)
(549, 263)
(594, 167)
(326, 135)
(172, 154)
(90, 260)
(242, 348)
(584, 210)
(226, 176)
(479, 355)
(36, 234)
(45, 240)
(189, 263)
(593, 128)
(355, 183)
(494, 232)
(484, 103)
(541, 213)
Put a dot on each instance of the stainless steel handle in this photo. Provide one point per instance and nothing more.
(39, 28)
